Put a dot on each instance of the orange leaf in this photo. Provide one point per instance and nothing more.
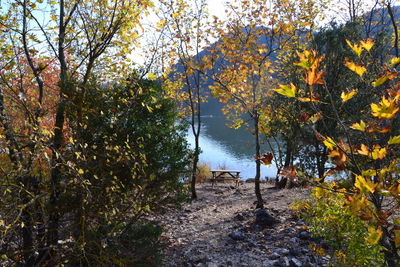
(364, 150)
(266, 158)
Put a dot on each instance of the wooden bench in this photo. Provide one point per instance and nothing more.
(225, 175)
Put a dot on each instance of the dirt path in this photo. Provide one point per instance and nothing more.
(219, 230)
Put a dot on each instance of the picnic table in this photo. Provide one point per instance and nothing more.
(225, 175)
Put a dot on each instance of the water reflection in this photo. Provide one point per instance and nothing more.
(233, 149)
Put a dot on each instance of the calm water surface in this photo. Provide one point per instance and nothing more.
(228, 148)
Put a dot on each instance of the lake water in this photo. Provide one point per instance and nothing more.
(232, 149)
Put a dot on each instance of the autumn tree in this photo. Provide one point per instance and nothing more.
(250, 40)
(184, 24)
(41, 117)
(370, 158)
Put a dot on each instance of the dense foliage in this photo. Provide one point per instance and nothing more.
(87, 148)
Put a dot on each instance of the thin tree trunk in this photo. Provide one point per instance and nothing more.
(195, 163)
(53, 228)
(260, 202)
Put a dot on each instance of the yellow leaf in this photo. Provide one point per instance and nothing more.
(80, 171)
(360, 70)
(316, 117)
(161, 23)
(397, 238)
(365, 185)
(356, 48)
(286, 90)
(369, 173)
(329, 143)
(386, 109)
(380, 81)
(318, 192)
(359, 126)
(393, 140)
(379, 153)
(374, 235)
(367, 45)
(151, 76)
(394, 61)
(347, 96)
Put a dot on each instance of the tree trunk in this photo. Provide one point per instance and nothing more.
(260, 202)
(54, 218)
(321, 158)
(27, 236)
(288, 159)
(195, 162)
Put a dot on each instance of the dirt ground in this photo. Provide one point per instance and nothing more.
(218, 229)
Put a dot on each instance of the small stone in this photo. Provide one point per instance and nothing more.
(269, 263)
(239, 217)
(200, 265)
(304, 235)
(263, 218)
(274, 256)
(295, 262)
(294, 252)
(305, 250)
(282, 251)
(212, 264)
(293, 241)
(283, 262)
(236, 235)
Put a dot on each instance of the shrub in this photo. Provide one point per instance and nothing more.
(203, 172)
(345, 233)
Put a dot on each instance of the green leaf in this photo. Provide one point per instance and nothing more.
(374, 235)
(286, 90)
(151, 76)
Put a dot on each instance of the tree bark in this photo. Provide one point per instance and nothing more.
(260, 202)
(195, 163)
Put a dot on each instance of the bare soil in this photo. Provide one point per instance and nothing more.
(218, 229)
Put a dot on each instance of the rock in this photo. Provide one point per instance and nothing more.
(263, 218)
(305, 235)
(283, 262)
(200, 258)
(294, 252)
(305, 250)
(269, 263)
(295, 263)
(239, 217)
(212, 264)
(200, 265)
(274, 256)
(282, 251)
(293, 241)
(257, 227)
(237, 235)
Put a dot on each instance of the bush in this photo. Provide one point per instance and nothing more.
(124, 245)
(335, 223)
(203, 172)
